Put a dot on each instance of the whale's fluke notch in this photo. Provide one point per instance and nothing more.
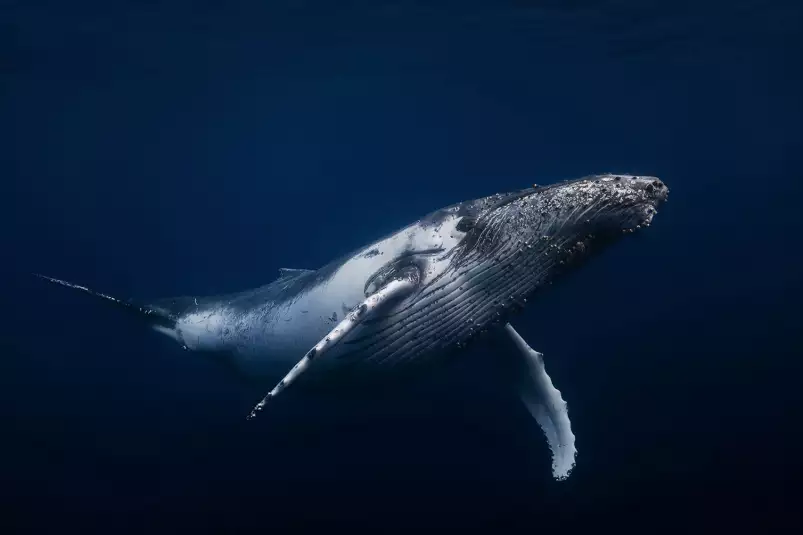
(394, 289)
(546, 405)
(155, 316)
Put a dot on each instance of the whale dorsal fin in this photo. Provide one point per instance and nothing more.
(293, 272)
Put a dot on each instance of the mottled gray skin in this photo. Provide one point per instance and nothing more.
(499, 251)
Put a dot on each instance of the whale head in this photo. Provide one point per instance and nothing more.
(556, 225)
(530, 236)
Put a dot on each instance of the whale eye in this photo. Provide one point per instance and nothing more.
(466, 223)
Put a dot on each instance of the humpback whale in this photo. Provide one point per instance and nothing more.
(419, 293)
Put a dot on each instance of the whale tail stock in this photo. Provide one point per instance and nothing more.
(156, 317)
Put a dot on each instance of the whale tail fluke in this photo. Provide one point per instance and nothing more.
(156, 317)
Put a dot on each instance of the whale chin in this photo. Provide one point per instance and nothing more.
(638, 217)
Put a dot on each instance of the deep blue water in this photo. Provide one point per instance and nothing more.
(152, 150)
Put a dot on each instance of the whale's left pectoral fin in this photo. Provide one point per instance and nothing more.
(545, 403)
(396, 288)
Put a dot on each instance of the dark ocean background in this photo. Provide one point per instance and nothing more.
(155, 149)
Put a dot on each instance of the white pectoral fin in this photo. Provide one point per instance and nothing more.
(547, 406)
(394, 289)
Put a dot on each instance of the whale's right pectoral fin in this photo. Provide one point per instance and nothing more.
(546, 404)
(394, 289)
